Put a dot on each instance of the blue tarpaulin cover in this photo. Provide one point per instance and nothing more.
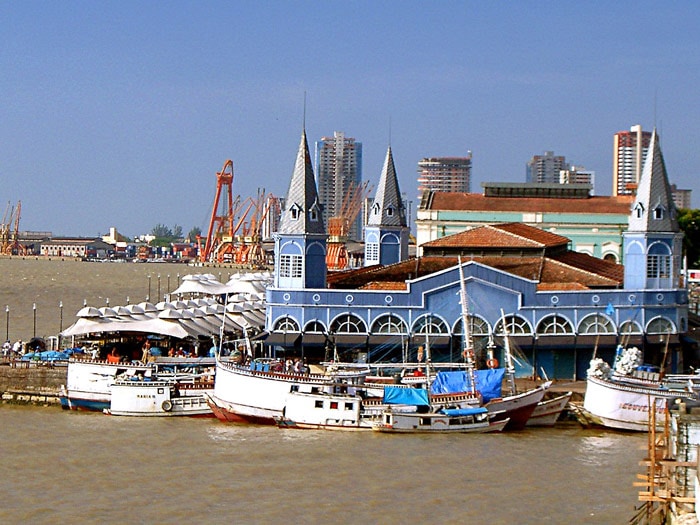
(464, 411)
(488, 382)
(405, 396)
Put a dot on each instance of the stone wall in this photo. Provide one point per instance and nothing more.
(22, 382)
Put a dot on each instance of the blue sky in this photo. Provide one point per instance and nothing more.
(120, 113)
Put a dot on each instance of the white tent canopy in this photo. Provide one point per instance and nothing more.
(203, 316)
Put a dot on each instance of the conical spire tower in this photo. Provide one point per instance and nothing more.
(653, 241)
(300, 243)
(386, 233)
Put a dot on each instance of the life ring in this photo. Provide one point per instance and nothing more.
(167, 405)
(492, 363)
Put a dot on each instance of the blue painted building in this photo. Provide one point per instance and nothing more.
(558, 306)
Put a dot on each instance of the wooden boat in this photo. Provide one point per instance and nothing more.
(89, 382)
(448, 421)
(257, 394)
(548, 411)
(518, 407)
(160, 398)
(621, 397)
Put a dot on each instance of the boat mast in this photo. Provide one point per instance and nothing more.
(510, 368)
(468, 350)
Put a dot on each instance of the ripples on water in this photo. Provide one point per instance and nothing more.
(90, 468)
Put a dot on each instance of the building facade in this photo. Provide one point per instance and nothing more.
(558, 305)
(339, 171)
(594, 224)
(629, 152)
(452, 174)
(545, 168)
(578, 175)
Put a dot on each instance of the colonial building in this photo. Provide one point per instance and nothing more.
(594, 224)
(559, 306)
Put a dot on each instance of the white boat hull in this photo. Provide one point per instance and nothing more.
(241, 394)
(548, 411)
(142, 398)
(625, 405)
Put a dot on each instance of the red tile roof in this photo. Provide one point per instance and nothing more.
(507, 235)
(479, 202)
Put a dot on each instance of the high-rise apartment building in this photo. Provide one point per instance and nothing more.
(578, 175)
(629, 151)
(338, 172)
(452, 174)
(681, 198)
(545, 168)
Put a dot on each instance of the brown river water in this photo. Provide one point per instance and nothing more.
(66, 467)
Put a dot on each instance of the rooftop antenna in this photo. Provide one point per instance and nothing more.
(389, 130)
(304, 118)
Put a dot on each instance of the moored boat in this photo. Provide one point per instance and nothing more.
(464, 420)
(160, 398)
(257, 394)
(548, 411)
(621, 397)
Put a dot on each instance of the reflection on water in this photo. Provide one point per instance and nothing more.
(90, 468)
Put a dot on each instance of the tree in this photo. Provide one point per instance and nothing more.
(177, 232)
(161, 231)
(689, 223)
(194, 232)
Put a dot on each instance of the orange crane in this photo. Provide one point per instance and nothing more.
(248, 249)
(339, 225)
(220, 231)
(9, 239)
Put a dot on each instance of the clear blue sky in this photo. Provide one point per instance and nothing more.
(120, 113)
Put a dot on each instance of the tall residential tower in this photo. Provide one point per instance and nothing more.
(451, 174)
(338, 172)
(629, 152)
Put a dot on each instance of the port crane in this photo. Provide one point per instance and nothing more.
(221, 227)
(339, 225)
(9, 237)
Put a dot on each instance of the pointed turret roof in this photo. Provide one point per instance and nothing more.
(387, 209)
(653, 209)
(302, 213)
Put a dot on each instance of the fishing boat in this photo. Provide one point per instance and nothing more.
(548, 411)
(620, 397)
(179, 392)
(159, 398)
(89, 381)
(463, 420)
(518, 407)
(257, 392)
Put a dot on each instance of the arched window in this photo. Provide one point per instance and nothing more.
(514, 324)
(286, 324)
(596, 324)
(431, 325)
(389, 324)
(348, 324)
(659, 261)
(660, 325)
(478, 327)
(555, 325)
(315, 327)
(629, 328)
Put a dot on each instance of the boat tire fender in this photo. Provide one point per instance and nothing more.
(492, 363)
(167, 405)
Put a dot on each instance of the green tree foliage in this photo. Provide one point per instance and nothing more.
(192, 236)
(161, 230)
(689, 222)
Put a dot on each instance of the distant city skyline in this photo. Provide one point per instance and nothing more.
(120, 114)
